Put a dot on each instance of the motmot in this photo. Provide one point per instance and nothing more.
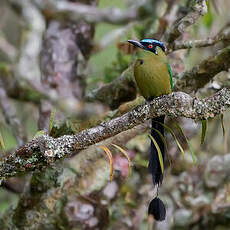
(153, 76)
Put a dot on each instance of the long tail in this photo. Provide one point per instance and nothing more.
(154, 163)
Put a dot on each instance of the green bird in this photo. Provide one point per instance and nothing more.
(153, 76)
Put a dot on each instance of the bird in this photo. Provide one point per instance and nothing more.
(153, 76)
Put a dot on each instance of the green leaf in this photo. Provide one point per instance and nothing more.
(52, 116)
(2, 143)
(191, 151)
(39, 133)
(110, 156)
(224, 134)
(188, 142)
(174, 136)
(204, 129)
(159, 153)
(222, 123)
(165, 144)
(162, 138)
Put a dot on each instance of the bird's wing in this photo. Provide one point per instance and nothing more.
(170, 75)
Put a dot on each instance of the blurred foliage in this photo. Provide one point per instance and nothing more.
(107, 57)
(6, 199)
(117, 67)
(209, 17)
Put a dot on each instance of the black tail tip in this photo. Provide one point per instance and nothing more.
(157, 209)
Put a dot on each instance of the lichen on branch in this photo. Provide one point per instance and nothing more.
(45, 150)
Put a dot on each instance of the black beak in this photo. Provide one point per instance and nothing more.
(136, 43)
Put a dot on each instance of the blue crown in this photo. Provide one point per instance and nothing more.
(149, 40)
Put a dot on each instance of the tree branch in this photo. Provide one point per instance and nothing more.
(45, 150)
(91, 14)
(9, 113)
(222, 36)
(201, 74)
(199, 9)
(8, 49)
(122, 89)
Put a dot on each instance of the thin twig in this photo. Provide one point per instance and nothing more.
(222, 36)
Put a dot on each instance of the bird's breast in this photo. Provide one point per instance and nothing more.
(152, 77)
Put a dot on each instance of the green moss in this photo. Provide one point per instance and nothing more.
(41, 182)
(61, 128)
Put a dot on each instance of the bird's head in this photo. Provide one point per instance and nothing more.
(149, 44)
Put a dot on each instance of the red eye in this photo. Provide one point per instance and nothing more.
(150, 46)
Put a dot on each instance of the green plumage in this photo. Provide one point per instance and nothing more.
(153, 74)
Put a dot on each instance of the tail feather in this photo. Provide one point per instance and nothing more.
(157, 209)
(154, 163)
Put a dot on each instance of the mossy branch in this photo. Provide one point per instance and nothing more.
(45, 150)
